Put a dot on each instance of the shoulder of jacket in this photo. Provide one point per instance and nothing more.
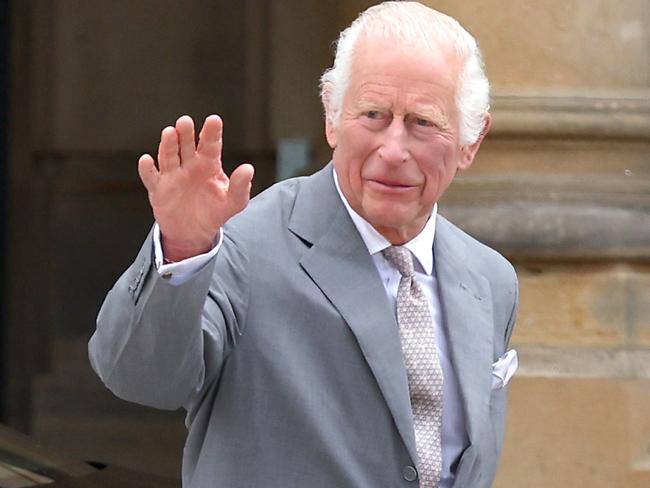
(482, 256)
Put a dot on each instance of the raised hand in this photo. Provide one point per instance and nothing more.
(189, 192)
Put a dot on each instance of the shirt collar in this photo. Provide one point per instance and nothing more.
(421, 245)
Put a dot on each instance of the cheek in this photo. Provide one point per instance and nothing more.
(440, 163)
(355, 148)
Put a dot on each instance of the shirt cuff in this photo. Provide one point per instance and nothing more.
(179, 272)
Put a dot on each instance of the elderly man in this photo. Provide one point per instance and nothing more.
(336, 331)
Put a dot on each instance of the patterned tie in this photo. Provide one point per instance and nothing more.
(422, 366)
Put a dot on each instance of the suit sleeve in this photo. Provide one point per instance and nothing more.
(161, 345)
(498, 397)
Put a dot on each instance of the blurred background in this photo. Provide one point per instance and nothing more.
(561, 187)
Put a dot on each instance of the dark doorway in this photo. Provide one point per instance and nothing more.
(4, 115)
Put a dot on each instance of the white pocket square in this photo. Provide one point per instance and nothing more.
(503, 369)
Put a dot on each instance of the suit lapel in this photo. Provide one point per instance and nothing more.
(340, 265)
(467, 312)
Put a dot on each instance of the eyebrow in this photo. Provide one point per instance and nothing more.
(365, 105)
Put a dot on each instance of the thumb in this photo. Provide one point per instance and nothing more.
(148, 172)
(239, 188)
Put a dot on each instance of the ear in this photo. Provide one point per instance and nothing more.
(330, 131)
(469, 152)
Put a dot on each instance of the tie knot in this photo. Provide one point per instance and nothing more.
(401, 258)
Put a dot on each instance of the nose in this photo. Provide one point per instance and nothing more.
(394, 147)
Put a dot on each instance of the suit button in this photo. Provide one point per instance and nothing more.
(166, 276)
(409, 473)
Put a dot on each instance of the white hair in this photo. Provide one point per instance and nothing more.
(409, 24)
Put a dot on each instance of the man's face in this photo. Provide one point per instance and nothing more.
(396, 146)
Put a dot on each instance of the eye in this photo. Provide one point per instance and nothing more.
(422, 122)
(375, 119)
(374, 114)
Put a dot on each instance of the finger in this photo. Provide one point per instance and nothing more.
(210, 138)
(185, 130)
(168, 158)
(148, 172)
(239, 189)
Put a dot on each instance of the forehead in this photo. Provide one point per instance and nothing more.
(381, 67)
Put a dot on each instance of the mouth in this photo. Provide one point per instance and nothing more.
(390, 185)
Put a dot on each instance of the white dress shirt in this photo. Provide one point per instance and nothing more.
(454, 437)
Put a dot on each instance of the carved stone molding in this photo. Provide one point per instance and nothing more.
(555, 216)
(561, 176)
(585, 362)
(552, 231)
(626, 116)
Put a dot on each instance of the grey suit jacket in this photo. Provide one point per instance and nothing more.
(286, 354)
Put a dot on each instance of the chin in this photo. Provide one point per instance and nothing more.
(389, 219)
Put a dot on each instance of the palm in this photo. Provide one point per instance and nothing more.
(189, 192)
